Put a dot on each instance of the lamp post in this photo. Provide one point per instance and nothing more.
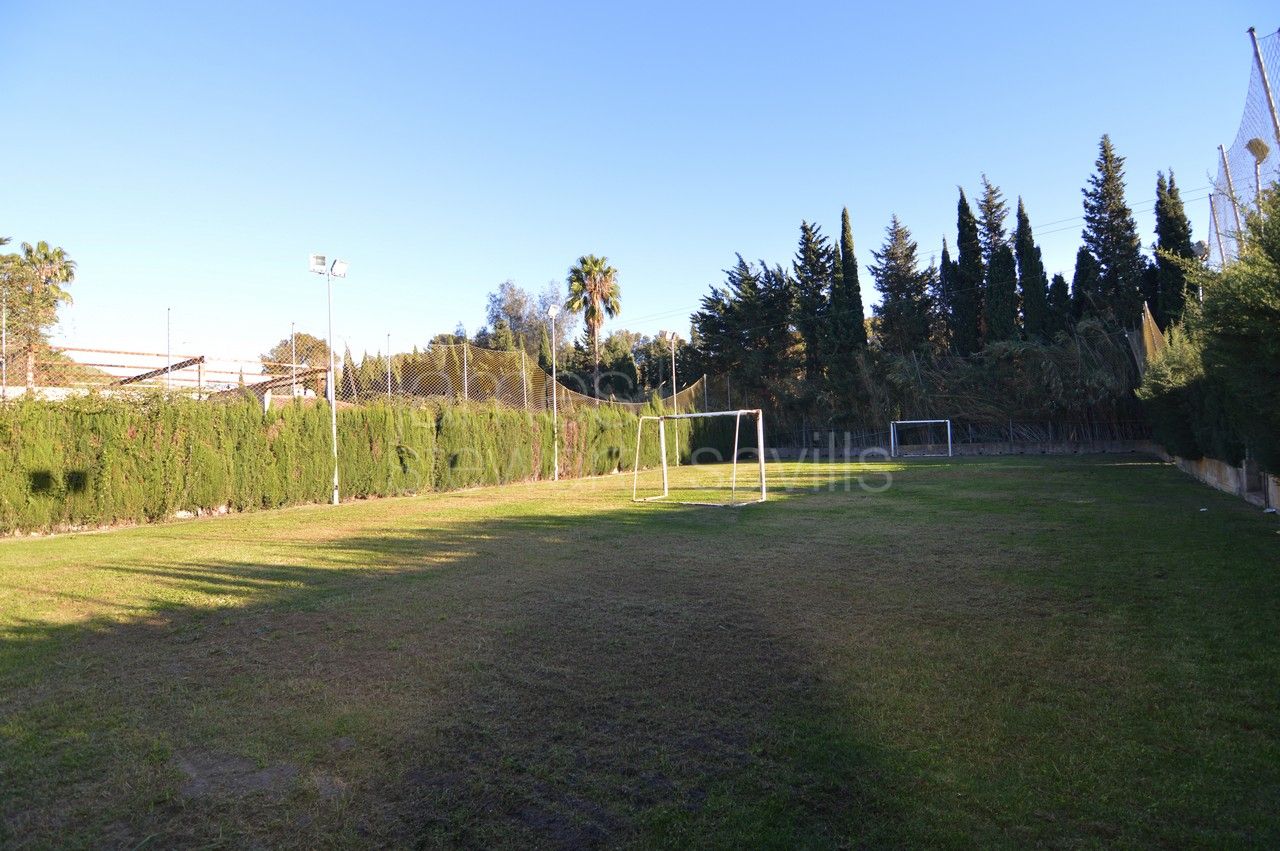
(336, 269)
(552, 310)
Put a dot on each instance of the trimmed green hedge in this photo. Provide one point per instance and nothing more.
(96, 460)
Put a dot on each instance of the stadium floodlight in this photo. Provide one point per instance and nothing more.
(336, 269)
(552, 311)
(661, 420)
(931, 448)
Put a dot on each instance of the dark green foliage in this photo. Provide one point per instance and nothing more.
(1086, 297)
(813, 267)
(1033, 285)
(944, 298)
(1002, 297)
(1111, 236)
(1173, 242)
(1241, 328)
(906, 305)
(853, 314)
(970, 272)
(1059, 315)
(93, 461)
(992, 211)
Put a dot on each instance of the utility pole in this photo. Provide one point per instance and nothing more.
(1266, 84)
(1231, 188)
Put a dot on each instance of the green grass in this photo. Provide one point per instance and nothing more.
(990, 652)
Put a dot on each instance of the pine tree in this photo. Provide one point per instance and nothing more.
(1086, 297)
(992, 211)
(905, 306)
(855, 314)
(966, 295)
(1111, 235)
(1032, 282)
(1173, 240)
(812, 267)
(1002, 296)
(1059, 316)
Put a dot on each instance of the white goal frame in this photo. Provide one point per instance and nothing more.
(895, 446)
(661, 420)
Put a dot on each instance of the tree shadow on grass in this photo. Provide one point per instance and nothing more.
(541, 679)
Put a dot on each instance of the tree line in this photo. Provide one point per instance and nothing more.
(798, 338)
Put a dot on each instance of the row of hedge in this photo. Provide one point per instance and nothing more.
(96, 460)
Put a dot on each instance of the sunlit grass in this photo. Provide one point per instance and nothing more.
(1016, 651)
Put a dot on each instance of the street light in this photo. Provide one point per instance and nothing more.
(336, 269)
(552, 310)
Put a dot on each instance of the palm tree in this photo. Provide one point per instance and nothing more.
(593, 292)
(47, 270)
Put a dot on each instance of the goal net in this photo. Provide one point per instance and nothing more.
(731, 483)
(920, 438)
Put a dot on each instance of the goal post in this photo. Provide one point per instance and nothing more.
(661, 420)
(937, 443)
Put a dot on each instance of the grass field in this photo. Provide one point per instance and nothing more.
(989, 652)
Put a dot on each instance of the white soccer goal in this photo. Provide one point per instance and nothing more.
(733, 500)
(920, 438)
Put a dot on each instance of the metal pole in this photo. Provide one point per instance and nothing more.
(706, 406)
(388, 368)
(4, 345)
(764, 493)
(662, 449)
(674, 404)
(1231, 188)
(1217, 230)
(555, 410)
(1266, 84)
(293, 360)
(333, 396)
(466, 392)
(524, 380)
(733, 470)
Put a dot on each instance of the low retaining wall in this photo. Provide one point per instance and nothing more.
(1232, 480)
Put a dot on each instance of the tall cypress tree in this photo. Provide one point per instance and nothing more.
(1173, 240)
(812, 267)
(905, 307)
(944, 298)
(966, 295)
(1032, 282)
(1002, 296)
(1111, 235)
(851, 301)
(1086, 296)
(992, 211)
(1059, 318)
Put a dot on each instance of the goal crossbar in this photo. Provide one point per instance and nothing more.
(661, 420)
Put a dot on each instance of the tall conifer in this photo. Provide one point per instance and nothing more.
(855, 321)
(812, 268)
(1032, 282)
(1173, 240)
(966, 295)
(1111, 235)
(1002, 296)
(992, 211)
(1059, 306)
(905, 307)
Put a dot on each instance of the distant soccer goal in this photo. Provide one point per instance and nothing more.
(757, 492)
(920, 438)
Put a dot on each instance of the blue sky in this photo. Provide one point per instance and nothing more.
(192, 156)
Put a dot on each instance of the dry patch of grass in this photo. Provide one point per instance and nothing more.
(990, 651)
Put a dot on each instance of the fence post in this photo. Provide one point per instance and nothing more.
(524, 380)
(466, 395)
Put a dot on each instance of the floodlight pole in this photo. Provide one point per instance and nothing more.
(555, 413)
(333, 395)
(671, 339)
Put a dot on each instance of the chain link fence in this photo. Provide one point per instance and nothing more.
(456, 373)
